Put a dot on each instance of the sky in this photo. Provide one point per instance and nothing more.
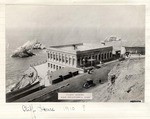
(78, 22)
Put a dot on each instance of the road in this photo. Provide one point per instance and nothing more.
(75, 84)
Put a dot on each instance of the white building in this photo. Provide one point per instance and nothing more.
(77, 55)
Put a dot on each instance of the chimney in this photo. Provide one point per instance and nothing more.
(75, 47)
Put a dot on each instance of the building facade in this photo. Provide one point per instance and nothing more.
(133, 50)
(77, 55)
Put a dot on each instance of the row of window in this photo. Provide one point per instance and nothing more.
(61, 58)
(103, 56)
(99, 57)
(54, 66)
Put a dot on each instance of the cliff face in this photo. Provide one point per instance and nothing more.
(128, 83)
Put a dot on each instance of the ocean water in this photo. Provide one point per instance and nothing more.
(17, 37)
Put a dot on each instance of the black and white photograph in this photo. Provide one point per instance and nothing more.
(75, 53)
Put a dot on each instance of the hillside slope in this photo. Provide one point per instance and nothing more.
(128, 85)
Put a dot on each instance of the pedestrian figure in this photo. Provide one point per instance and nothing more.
(113, 77)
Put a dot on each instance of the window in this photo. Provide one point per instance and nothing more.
(73, 61)
(93, 57)
(69, 60)
(54, 66)
(48, 64)
(48, 55)
(51, 55)
(56, 57)
(78, 59)
(63, 58)
(51, 65)
(59, 57)
(96, 57)
(102, 57)
(66, 59)
(59, 67)
(107, 55)
(110, 54)
(99, 56)
(81, 60)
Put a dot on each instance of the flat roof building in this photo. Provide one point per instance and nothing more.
(77, 55)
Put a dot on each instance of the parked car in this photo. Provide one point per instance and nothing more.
(90, 71)
(97, 67)
(89, 83)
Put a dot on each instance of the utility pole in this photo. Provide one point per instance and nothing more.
(49, 76)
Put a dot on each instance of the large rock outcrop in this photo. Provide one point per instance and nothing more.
(26, 49)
